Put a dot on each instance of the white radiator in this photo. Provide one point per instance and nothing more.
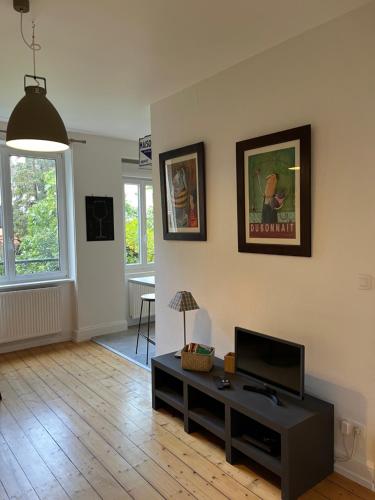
(29, 313)
(135, 292)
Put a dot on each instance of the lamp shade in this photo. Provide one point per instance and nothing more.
(35, 124)
(183, 301)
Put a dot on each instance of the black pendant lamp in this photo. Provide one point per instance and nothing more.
(35, 124)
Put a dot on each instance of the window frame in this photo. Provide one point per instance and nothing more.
(10, 277)
(142, 225)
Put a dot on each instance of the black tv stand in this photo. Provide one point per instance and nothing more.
(265, 391)
(294, 441)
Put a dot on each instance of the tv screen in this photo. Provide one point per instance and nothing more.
(273, 361)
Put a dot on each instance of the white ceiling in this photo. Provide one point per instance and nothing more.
(107, 60)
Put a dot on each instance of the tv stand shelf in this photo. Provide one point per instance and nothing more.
(294, 441)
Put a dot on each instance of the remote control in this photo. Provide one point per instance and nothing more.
(222, 383)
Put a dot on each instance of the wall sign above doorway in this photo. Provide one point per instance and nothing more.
(145, 152)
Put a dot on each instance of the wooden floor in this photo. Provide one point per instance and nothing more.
(76, 422)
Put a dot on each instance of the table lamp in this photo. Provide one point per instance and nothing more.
(183, 301)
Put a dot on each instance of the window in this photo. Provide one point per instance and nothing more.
(32, 220)
(139, 222)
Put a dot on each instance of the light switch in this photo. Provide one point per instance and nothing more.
(365, 282)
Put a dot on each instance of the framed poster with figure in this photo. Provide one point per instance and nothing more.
(183, 193)
(99, 218)
(274, 193)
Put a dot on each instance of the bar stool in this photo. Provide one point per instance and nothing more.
(149, 298)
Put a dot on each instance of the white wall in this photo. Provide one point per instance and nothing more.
(325, 77)
(131, 170)
(101, 296)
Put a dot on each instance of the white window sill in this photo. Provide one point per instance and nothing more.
(11, 287)
(147, 280)
(140, 268)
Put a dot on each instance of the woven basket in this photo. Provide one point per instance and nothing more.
(197, 362)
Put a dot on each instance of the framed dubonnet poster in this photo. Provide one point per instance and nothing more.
(183, 193)
(274, 193)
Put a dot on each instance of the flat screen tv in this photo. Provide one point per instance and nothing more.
(274, 362)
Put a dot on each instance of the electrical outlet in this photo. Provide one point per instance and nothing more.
(360, 429)
(365, 282)
(349, 427)
(346, 427)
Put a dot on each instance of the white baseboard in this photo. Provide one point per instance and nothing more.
(80, 335)
(357, 472)
(19, 345)
(88, 332)
(135, 322)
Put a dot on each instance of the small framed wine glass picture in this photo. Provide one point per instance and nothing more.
(99, 218)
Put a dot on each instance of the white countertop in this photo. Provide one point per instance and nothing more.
(144, 280)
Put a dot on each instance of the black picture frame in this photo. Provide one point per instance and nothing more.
(99, 218)
(193, 195)
(302, 180)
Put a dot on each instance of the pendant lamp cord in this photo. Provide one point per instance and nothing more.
(32, 46)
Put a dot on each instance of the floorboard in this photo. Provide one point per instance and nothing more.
(124, 344)
(76, 422)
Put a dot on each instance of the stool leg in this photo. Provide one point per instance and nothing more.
(148, 331)
(139, 326)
